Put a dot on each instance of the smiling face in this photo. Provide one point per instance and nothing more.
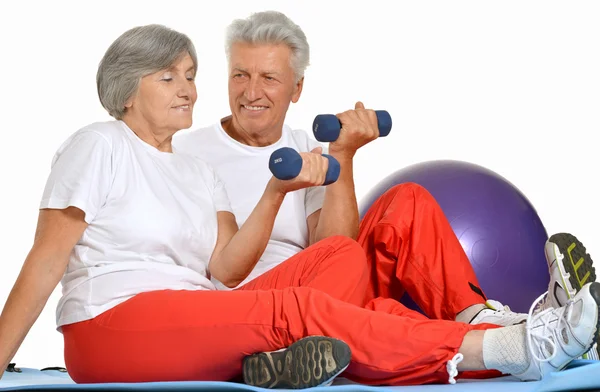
(165, 99)
(262, 85)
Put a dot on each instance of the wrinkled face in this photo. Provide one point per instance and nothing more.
(261, 87)
(165, 99)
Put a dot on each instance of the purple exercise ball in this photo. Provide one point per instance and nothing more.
(497, 226)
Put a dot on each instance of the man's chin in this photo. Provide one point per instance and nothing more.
(252, 123)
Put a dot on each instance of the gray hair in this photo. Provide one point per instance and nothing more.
(271, 27)
(138, 52)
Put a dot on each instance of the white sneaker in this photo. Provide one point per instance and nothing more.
(499, 314)
(570, 267)
(555, 337)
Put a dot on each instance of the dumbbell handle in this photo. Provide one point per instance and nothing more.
(326, 127)
(286, 163)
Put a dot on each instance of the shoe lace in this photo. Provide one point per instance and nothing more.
(452, 367)
(544, 304)
(544, 316)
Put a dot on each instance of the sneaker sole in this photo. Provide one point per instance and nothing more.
(595, 293)
(580, 267)
(309, 362)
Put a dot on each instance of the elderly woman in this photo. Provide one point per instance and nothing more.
(135, 230)
(139, 229)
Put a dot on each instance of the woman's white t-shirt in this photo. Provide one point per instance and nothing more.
(152, 218)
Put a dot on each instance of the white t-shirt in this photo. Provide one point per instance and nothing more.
(245, 172)
(151, 215)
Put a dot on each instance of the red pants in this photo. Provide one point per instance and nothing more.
(411, 247)
(204, 335)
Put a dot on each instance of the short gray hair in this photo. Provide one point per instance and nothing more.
(271, 27)
(138, 52)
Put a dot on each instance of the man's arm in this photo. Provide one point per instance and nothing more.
(339, 214)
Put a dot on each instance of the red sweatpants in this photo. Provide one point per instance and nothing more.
(411, 247)
(204, 335)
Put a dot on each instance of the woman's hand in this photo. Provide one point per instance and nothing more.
(313, 173)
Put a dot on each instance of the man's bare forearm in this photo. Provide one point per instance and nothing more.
(339, 214)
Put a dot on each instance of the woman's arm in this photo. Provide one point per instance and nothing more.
(237, 251)
(57, 233)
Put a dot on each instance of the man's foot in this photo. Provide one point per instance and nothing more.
(570, 267)
(499, 314)
(309, 362)
(494, 312)
(555, 337)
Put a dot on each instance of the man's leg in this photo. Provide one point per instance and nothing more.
(571, 268)
(411, 247)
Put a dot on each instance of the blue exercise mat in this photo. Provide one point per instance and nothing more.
(581, 375)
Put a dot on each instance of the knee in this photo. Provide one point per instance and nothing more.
(354, 253)
(345, 243)
(356, 259)
(410, 190)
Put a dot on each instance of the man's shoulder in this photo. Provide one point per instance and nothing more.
(301, 139)
(196, 141)
(201, 133)
(297, 132)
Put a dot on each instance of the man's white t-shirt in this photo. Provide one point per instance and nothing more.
(152, 218)
(245, 172)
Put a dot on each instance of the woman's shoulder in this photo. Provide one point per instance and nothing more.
(91, 136)
(111, 131)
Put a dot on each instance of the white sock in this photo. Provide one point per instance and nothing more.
(505, 349)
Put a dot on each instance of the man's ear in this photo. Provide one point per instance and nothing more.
(297, 90)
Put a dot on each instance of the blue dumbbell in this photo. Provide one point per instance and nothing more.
(326, 127)
(286, 163)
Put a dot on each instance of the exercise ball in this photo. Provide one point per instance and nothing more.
(497, 226)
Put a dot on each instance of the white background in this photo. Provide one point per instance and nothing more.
(511, 85)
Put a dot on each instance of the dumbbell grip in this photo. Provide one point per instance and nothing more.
(326, 127)
(286, 163)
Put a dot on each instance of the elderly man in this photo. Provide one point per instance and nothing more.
(409, 244)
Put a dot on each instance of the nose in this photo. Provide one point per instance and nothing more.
(185, 88)
(253, 90)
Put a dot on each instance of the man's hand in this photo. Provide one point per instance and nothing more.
(359, 127)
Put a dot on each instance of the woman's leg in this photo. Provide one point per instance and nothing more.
(205, 335)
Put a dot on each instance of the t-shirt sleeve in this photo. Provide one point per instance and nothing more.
(315, 196)
(80, 174)
(220, 197)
